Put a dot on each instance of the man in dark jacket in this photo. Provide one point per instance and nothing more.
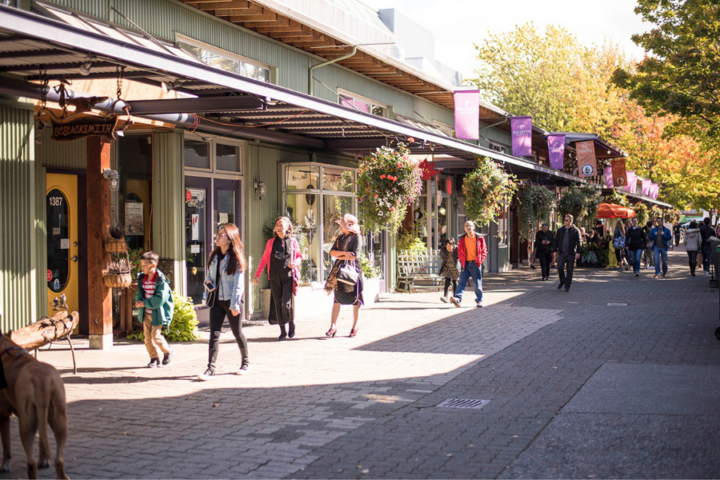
(706, 232)
(544, 240)
(567, 250)
(635, 243)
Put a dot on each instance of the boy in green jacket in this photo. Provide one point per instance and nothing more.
(154, 299)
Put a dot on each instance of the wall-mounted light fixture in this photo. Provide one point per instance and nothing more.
(113, 177)
(260, 188)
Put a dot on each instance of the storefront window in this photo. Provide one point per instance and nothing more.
(196, 242)
(135, 168)
(304, 177)
(196, 154)
(227, 157)
(303, 210)
(338, 179)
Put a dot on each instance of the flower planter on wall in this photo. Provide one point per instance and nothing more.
(112, 280)
(115, 245)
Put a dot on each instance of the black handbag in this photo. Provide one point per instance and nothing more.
(212, 295)
(348, 273)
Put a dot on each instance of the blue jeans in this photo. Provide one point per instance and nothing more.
(706, 252)
(636, 256)
(471, 270)
(657, 253)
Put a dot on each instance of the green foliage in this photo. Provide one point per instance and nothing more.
(581, 203)
(536, 203)
(134, 258)
(641, 213)
(615, 198)
(388, 181)
(486, 190)
(408, 241)
(368, 269)
(592, 255)
(183, 327)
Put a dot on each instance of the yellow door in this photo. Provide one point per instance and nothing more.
(62, 242)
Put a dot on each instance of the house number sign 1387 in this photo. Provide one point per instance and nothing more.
(56, 201)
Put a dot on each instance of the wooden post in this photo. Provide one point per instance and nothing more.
(98, 228)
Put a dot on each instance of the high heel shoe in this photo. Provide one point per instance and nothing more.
(353, 332)
(331, 333)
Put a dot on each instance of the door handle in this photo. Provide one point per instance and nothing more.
(75, 258)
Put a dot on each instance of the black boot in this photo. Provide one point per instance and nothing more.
(692, 269)
(245, 365)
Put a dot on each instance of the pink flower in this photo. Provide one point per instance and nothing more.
(411, 139)
(399, 165)
(382, 176)
(392, 209)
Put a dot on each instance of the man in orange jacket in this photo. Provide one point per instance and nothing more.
(472, 251)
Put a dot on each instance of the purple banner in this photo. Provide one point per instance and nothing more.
(646, 187)
(655, 190)
(467, 114)
(521, 136)
(630, 187)
(609, 182)
(556, 147)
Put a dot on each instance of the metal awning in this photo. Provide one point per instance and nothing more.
(60, 46)
(642, 198)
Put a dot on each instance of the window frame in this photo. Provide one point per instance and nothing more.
(212, 151)
(342, 92)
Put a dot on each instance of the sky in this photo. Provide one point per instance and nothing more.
(457, 24)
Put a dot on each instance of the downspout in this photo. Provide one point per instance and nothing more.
(325, 64)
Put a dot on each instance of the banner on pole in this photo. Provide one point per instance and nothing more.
(618, 172)
(631, 182)
(609, 177)
(587, 164)
(646, 184)
(467, 114)
(556, 148)
(521, 136)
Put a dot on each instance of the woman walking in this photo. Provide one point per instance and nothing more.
(347, 250)
(450, 267)
(692, 242)
(619, 243)
(282, 257)
(225, 277)
(635, 244)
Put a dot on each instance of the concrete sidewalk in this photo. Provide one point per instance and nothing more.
(577, 387)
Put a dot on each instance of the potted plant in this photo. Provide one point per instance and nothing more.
(486, 190)
(183, 327)
(118, 274)
(641, 213)
(116, 243)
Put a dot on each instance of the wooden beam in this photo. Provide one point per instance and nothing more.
(281, 22)
(98, 228)
(305, 33)
(226, 5)
(252, 16)
(293, 26)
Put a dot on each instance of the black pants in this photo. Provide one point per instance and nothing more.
(677, 239)
(692, 260)
(545, 257)
(448, 281)
(218, 312)
(562, 261)
(282, 307)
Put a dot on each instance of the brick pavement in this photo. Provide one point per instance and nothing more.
(366, 407)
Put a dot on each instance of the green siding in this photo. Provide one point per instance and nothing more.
(19, 218)
(67, 155)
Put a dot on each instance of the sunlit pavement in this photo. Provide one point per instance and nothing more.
(576, 388)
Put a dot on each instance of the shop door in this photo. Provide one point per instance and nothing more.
(62, 242)
(226, 205)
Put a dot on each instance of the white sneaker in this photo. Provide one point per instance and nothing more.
(444, 299)
(208, 375)
(243, 369)
(478, 304)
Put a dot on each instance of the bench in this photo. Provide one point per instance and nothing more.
(419, 271)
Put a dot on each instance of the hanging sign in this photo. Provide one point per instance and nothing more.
(587, 164)
(49, 276)
(449, 186)
(654, 191)
(76, 127)
(521, 128)
(618, 172)
(556, 148)
(631, 182)
(467, 114)
(646, 184)
(609, 177)
(427, 169)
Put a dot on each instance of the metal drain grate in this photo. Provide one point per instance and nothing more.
(464, 403)
(617, 304)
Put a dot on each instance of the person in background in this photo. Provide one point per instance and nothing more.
(593, 237)
(676, 233)
(225, 274)
(661, 236)
(566, 248)
(282, 257)
(544, 240)
(155, 301)
(692, 242)
(583, 235)
(706, 232)
(472, 251)
(626, 252)
(450, 267)
(619, 243)
(347, 248)
(648, 253)
(635, 244)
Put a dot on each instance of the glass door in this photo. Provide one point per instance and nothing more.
(198, 245)
(226, 204)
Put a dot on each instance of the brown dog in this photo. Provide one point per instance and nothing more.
(36, 394)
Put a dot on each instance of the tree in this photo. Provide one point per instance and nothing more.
(680, 74)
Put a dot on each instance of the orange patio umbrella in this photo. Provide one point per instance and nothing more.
(609, 210)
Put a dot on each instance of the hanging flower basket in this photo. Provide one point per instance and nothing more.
(115, 245)
(112, 280)
(388, 181)
(486, 190)
(536, 202)
(581, 203)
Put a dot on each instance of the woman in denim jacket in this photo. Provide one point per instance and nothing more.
(225, 274)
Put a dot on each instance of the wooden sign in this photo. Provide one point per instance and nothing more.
(76, 127)
(618, 172)
(587, 164)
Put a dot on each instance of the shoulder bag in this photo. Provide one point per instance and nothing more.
(212, 295)
(348, 273)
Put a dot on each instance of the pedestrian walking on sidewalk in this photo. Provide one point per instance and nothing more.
(692, 242)
(282, 258)
(567, 250)
(544, 240)
(154, 299)
(619, 243)
(661, 237)
(472, 251)
(226, 278)
(648, 253)
(635, 244)
(450, 267)
(706, 232)
(676, 233)
(345, 280)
